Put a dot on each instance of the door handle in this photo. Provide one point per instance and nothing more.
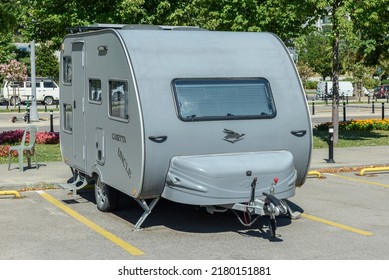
(158, 139)
(299, 133)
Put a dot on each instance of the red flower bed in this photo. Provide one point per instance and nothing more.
(15, 136)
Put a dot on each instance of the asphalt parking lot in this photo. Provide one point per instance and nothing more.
(345, 216)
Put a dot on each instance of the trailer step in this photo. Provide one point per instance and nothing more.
(77, 182)
(72, 187)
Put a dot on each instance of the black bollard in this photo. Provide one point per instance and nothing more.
(372, 107)
(51, 122)
(28, 115)
(344, 111)
(383, 110)
(330, 145)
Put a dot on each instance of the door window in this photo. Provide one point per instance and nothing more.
(68, 118)
(95, 91)
(67, 70)
(118, 99)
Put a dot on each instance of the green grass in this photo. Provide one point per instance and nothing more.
(352, 138)
(44, 153)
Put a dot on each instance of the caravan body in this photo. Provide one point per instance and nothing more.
(346, 88)
(193, 116)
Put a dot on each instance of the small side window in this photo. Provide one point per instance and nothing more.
(68, 118)
(118, 99)
(95, 91)
(48, 84)
(67, 70)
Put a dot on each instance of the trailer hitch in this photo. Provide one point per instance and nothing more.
(274, 207)
(267, 206)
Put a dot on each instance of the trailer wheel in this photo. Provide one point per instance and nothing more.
(106, 197)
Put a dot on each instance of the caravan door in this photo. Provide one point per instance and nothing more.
(78, 84)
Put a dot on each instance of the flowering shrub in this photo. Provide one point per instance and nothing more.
(11, 137)
(4, 151)
(47, 137)
(14, 71)
(368, 124)
(15, 136)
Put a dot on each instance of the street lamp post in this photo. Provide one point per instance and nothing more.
(33, 109)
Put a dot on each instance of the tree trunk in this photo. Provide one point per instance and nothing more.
(335, 89)
(335, 71)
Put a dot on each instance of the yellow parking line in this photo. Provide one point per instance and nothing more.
(121, 243)
(327, 222)
(358, 180)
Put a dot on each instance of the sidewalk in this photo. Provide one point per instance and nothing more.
(49, 173)
(350, 157)
(54, 173)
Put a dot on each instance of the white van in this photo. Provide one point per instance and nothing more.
(345, 88)
(47, 91)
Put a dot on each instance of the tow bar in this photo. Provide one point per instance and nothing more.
(273, 207)
(270, 206)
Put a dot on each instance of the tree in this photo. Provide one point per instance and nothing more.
(383, 64)
(7, 49)
(13, 71)
(305, 72)
(287, 19)
(350, 23)
(7, 17)
(371, 28)
(47, 64)
(47, 20)
(315, 51)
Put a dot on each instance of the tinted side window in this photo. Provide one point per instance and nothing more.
(220, 99)
(67, 70)
(48, 84)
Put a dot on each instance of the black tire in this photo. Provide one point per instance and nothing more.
(12, 101)
(48, 100)
(107, 198)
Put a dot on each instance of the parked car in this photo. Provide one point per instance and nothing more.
(14, 92)
(381, 91)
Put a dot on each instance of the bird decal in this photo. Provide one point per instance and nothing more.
(232, 136)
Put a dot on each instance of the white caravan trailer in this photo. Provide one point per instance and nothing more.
(216, 119)
(345, 88)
